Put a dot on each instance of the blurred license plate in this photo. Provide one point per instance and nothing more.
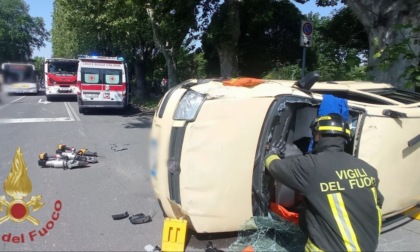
(92, 95)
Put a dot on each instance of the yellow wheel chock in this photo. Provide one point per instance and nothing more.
(174, 234)
(413, 212)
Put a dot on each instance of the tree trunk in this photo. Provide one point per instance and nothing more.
(228, 49)
(379, 18)
(140, 80)
(167, 52)
(172, 75)
(228, 60)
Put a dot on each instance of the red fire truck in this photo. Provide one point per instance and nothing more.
(102, 83)
(60, 77)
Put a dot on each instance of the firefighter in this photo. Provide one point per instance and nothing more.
(342, 203)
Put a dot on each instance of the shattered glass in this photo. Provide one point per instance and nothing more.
(269, 233)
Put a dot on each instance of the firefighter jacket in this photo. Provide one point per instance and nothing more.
(342, 200)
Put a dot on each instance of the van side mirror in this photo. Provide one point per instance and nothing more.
(308, 80)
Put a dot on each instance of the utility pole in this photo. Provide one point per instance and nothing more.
(306, 32)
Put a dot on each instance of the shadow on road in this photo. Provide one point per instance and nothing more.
(221, 241)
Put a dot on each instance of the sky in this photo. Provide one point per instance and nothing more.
(44, 9)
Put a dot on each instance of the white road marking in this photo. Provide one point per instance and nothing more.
(5, 105)
(44, 102)
(73, 116)
(71, 111)
(32, 120)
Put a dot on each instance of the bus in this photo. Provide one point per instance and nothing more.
(60, 77)
(18, 78)
(103, 83)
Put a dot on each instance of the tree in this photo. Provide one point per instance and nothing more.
(191, 65)
(341, 44)
(223, 34)
(269, 36)
(66, 41)
(171, 22)
(39, 67)
(106, 28)
(20, 33)
(79, 28)
(380, 18)
(404, 49)
(137, 30)
(382, 26)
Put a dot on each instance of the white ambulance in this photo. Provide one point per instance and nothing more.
(102, 82)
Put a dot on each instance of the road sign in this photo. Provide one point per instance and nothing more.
(306, 32)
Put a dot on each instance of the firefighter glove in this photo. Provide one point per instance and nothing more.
(276, 152)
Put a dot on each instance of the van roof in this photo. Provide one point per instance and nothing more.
(87, 57)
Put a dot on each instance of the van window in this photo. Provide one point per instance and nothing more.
(90, 75)
(399, 95)
(112, 76)
(405, 97)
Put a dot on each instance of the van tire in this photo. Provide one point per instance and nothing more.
(81, 110)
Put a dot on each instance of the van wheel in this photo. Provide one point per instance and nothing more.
(81, 110)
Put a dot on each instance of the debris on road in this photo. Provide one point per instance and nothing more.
(120, 216)
(116, 148)
(134, 219)
(140, 218)
(211, 248)
(269, 234)
(151, 248)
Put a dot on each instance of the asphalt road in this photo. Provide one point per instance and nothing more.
(79, 203)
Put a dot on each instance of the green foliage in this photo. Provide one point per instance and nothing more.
(68, 40)
(270, 33)
(291, 72)
(405, 49)
(358, 73)
(269, 37)
(86, 27)
(20, 33)
(191, 65)
(336, 53)
(148, 104)
(175, 19)
(39, 66)
(340, 46)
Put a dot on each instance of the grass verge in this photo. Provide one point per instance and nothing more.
(148, 104)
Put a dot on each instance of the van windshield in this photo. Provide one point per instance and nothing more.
(62, 67)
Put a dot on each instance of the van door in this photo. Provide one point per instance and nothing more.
(90, 84)
(113, 87)
(288, 119)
